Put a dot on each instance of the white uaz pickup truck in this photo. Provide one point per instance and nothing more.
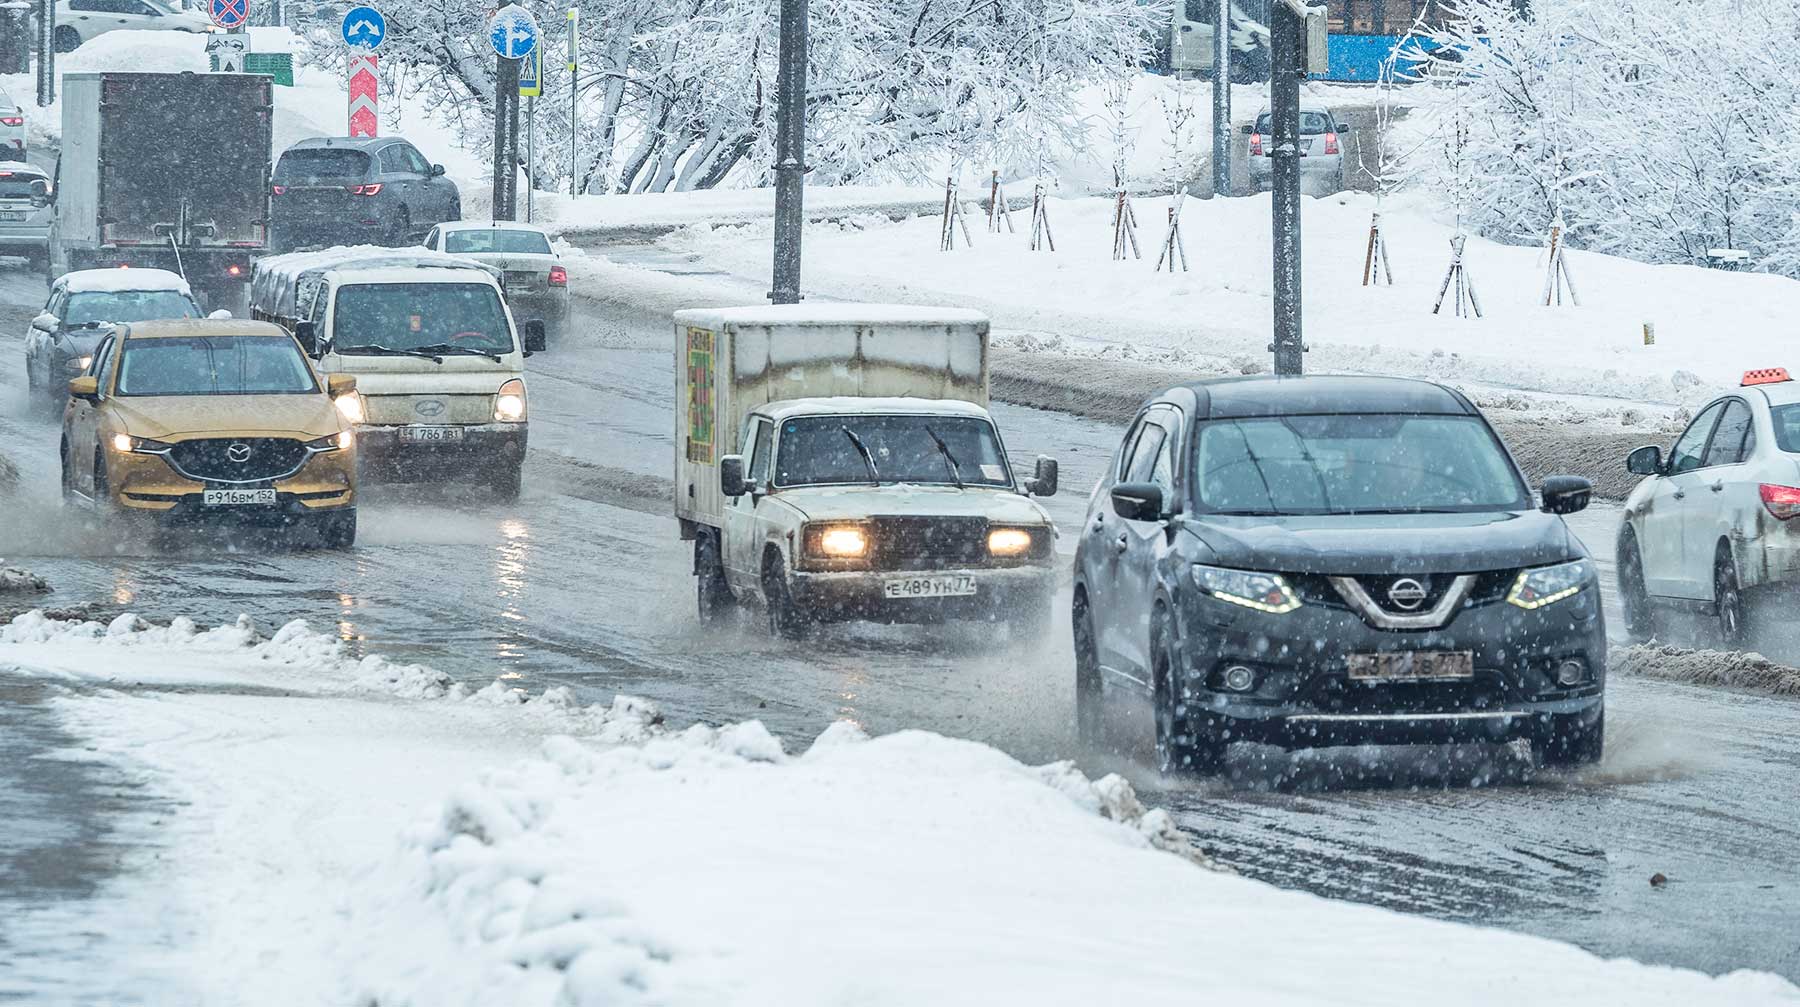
(837, 462)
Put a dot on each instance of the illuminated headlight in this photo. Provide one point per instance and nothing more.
(339, 441)
(350, 407)
(1009, 541)
(509, 405)
(1547, 585)
(81, 363)
(840, 542)
(1264, 592)
(126, 444)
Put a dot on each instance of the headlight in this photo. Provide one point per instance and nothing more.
(350, 407)
(1547, 585)
(1264, 592)
(124, 443)
(1009, 541)
(81, 363)
(509, 405)
(334, 442)
(839, 542)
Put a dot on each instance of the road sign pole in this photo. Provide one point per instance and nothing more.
(530, 158)
(365, 88)
(46, 53)
(790, 152)
(514, 36)
(574, 97)
(1221, 98)
(1287, 56)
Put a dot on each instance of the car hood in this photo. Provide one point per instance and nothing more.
(852, 503)
(1388, 543)
(181, 416)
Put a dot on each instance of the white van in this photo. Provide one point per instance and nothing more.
(438, 359)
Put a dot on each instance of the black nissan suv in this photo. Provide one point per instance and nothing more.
(1320, 561)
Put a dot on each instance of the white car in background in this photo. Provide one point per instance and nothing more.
(78, 21)
(537, 283)
(1712, 526)
(12, 128)
(24, 224)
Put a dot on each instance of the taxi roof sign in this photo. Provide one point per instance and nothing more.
(1766, 376)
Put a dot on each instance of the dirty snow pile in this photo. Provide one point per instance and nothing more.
(1734, 669)
(14, 580)
(709, 866)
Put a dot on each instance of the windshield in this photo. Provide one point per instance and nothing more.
(128, 306)
(215, 365)
(496, 240)
(1353, 464)
(411, 316)
(815, 450)
(318, 164)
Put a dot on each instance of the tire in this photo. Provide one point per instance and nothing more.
(1566, 741)
(1634, 597)
(66, 39)
(1184, 745)
(1090, 697)
(1729, 602)
(337, 530)
(786, 621)
(712, 593)
(507, 480)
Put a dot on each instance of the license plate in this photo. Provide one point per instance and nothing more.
(1412, 666)
(13, 215)
(930, 587)
(432, 435)
(239, 498)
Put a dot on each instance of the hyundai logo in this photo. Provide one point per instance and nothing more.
(1407, 594)
(429, 408)
(239, 453)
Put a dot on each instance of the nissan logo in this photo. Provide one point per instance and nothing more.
(429, 408)
(1407, 594)
(239, 453)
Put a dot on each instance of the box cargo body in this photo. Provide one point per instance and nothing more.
(164, 169)
(732, 360)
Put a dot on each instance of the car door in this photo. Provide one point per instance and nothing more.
(743, 539)
(1116, 622)
(1716, 505)
(135, 14)
(1661, 521)
(86, 17)
(1144, 541)
(393, 176)
(443, 191)
(81, 421)
(37, 341)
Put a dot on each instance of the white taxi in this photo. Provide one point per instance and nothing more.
(1712, 525)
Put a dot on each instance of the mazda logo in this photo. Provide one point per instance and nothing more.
(239, 453)
(1407, 594)
(429, 408)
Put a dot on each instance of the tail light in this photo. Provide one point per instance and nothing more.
(234, 270)
(279, 190)
(12, 120)
(559, 277)
(1782, 501)
(1256, 144)
(363, 190)
(1331, 143)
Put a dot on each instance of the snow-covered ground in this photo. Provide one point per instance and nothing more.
(360, 832)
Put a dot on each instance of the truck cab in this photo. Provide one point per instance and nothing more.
(838, 463)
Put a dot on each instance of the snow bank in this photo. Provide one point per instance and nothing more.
(1738, 670)
(650, 214)
(709, 866)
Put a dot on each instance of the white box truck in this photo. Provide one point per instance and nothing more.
(837, 462)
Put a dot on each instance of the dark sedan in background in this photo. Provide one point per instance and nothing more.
(375, 190)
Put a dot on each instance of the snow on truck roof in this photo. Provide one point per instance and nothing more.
(839, 405)
(279, 282)
(830, 314)
(114, 281)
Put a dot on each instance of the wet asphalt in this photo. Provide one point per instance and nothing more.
(583, 583)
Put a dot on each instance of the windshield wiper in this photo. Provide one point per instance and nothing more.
(949, 459)
(863, 449)
(389, 351)
(461, 351)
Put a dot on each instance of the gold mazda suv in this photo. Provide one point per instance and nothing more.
(202, 421)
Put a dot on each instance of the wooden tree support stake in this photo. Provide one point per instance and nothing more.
(1124, 226)
(1375, 259)
(998, 211)
(1559, 279)
(1172, 248)
(1458, 276)
(954, 217)
(1041, 238)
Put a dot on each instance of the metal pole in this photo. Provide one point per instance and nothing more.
(531, 155)
(574, 37)
(1221, 98)
(1286, 68)
(790, 152)
(46, 53)
(506, 135)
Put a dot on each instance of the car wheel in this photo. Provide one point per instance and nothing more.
(1634, 597)
(67, 39)
(1567, 741)
(337, 530)
(714, 594)
(1729, 601)
(1090, 697)
(507, 480)
(1184, 745)
(786, 621)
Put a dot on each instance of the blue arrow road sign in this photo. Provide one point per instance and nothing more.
(230, 13)
(364, 28)
(513, 32)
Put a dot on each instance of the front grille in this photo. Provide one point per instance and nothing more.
(237, 459)
(1335, 693)
(939, 543)
(1381, 589)
(1316, 589)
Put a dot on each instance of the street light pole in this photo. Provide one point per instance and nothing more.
(574, 96)
(1287, 34)
(790, 152)
(46, 53)
(1221, 96)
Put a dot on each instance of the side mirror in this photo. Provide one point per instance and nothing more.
(437, 170)
(40, 193)
(1343, 127)
(1138, 501)
(340, 385)
(1247, 128)
(1645, 461)
(85, 387)
(46, 322)
(220, 315)
(535, 340)
(1566, 494)
(307, 335)
(731, 477)
(1043, 483)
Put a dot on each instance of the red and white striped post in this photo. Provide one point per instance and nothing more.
(364, 89)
